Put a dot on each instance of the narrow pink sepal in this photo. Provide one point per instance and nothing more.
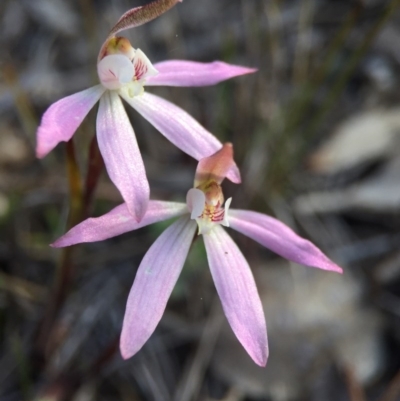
(216, 166)
(121, 154)
(178, 127)
(238, 293)
(154, 281)
(281, 239)
(192, 73)
(118, 221)
(62, 118)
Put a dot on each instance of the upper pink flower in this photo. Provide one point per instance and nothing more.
(162, 264)
(124, 72)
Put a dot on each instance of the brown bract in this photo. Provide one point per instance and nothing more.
(138, 16)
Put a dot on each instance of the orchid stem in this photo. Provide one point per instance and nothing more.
(95, 167)
(65, 268)
(80, 202)
(75, 186)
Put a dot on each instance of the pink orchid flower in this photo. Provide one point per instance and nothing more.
(163, 262)
(123, 73)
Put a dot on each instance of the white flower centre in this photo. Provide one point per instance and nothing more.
(207, 213)
(119, 71)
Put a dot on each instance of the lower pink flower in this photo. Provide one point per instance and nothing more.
(163, 262)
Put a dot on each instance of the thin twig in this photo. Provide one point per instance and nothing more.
(393, 391)
(95, 168)
(189, 387)
(356, 392)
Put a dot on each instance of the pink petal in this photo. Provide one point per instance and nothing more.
(143, 67)
(238, 293)
(192, 73)
(155, 279)
(216, 166)
(281, 239)
(61, 119)
(121, 154)
(117, 222)
(178, 127)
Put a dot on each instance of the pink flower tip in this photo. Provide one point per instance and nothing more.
(336, 269)
(263, 361)
(40, 154)
(259, 354)
(249, 70)
(41, 149)
(124, 353)
(125, 348)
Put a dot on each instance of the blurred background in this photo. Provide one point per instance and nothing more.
(316, 133)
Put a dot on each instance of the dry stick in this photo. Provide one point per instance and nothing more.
(80, 202)
(104, 358)
(300, 104)
(65, 269)
(68, 383)
(323, 70)
(356, 392)
(392, 393)
(75, 186)
(95, 168)
(190, 385)
(344, 76)
(89, 21)
(22, 103)
(25, 110)
(301, 57)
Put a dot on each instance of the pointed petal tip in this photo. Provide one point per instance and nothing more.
(259, 352)
(126, 170)
(238, 70)
(124, 351)
(193, 73)
(59, 243)
(251, 70)
(241, 70)
(61, 120)
(327, 265)
(44, 142)
(233, 175)
(218, 166)
(336, 269)
(280, 239)
(40, 153)
(261, 360)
